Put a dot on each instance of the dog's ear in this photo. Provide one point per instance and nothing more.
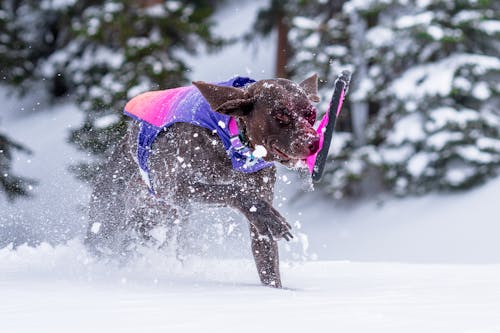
(310, 86)
(226, 100)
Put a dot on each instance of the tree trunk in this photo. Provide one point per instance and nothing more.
(359, 109)
(282, 51)
(149, 3)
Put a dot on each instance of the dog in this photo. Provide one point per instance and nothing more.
(207, 143)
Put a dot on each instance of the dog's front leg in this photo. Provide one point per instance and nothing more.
(266, 224)
(259, 212)
(265, 253)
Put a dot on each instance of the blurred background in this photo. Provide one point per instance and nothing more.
(413, 165)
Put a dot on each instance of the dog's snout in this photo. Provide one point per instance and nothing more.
(313, 145)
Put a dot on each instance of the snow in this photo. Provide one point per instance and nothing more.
(435, 31)
(440, 139)
(457, 176)
(364, 88)
(418, 162)
(60, 290)
(466, 16)
(491, 27)
(304, 23)
(408, 128)
(259, 151)
(442, 116)
(96, 226)
(472, 153)
(481, 91)
(138, 89)
(488, 143)
(312, 41)
(173, 5)
(380, 36)
(408, 21)
(336, 50)
(396, 155)
(56, 4)
(435, 79)
(423, 3)
(462, 83)
(156, 11)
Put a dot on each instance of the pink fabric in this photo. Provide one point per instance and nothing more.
(311, 159)
(150, 106)
(233, 127)
(341, 101)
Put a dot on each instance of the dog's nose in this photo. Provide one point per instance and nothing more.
(313, 145)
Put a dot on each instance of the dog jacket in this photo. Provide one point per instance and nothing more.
(156, 110)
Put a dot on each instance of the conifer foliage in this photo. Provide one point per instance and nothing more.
(424, 97)
(101, 53)
(12, 185)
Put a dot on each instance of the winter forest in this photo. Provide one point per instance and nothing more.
(400, 235)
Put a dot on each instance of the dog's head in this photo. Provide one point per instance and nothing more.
(276, 114)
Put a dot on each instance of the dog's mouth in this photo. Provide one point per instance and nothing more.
(287, 160)
(282, 157)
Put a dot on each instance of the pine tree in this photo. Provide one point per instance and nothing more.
(438, 125)
(30, 31)
(102, 53)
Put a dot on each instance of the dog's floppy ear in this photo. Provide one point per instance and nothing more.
(226, 100)
(310, 86)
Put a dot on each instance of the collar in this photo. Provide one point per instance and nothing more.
(239, 144)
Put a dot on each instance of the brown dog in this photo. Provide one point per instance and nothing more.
(190, 165)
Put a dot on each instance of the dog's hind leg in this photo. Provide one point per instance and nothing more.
(265, 253)
(107, 205)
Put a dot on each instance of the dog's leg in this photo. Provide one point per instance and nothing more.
(181, 235)
(265, 253)
(266, 225)
(257, 210)
(108, 203)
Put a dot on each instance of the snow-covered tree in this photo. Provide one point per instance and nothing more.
(30, 31)
(101, 53)
(424, 97)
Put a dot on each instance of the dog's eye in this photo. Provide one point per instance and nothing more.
(311, 116)
(283, 117)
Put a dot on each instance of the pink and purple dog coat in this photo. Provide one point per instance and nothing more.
(156, 110)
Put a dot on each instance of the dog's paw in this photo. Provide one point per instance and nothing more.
(269, 222)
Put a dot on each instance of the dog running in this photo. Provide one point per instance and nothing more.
(207, 143)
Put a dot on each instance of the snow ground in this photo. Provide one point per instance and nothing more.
(61, 290)
(427, 264)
